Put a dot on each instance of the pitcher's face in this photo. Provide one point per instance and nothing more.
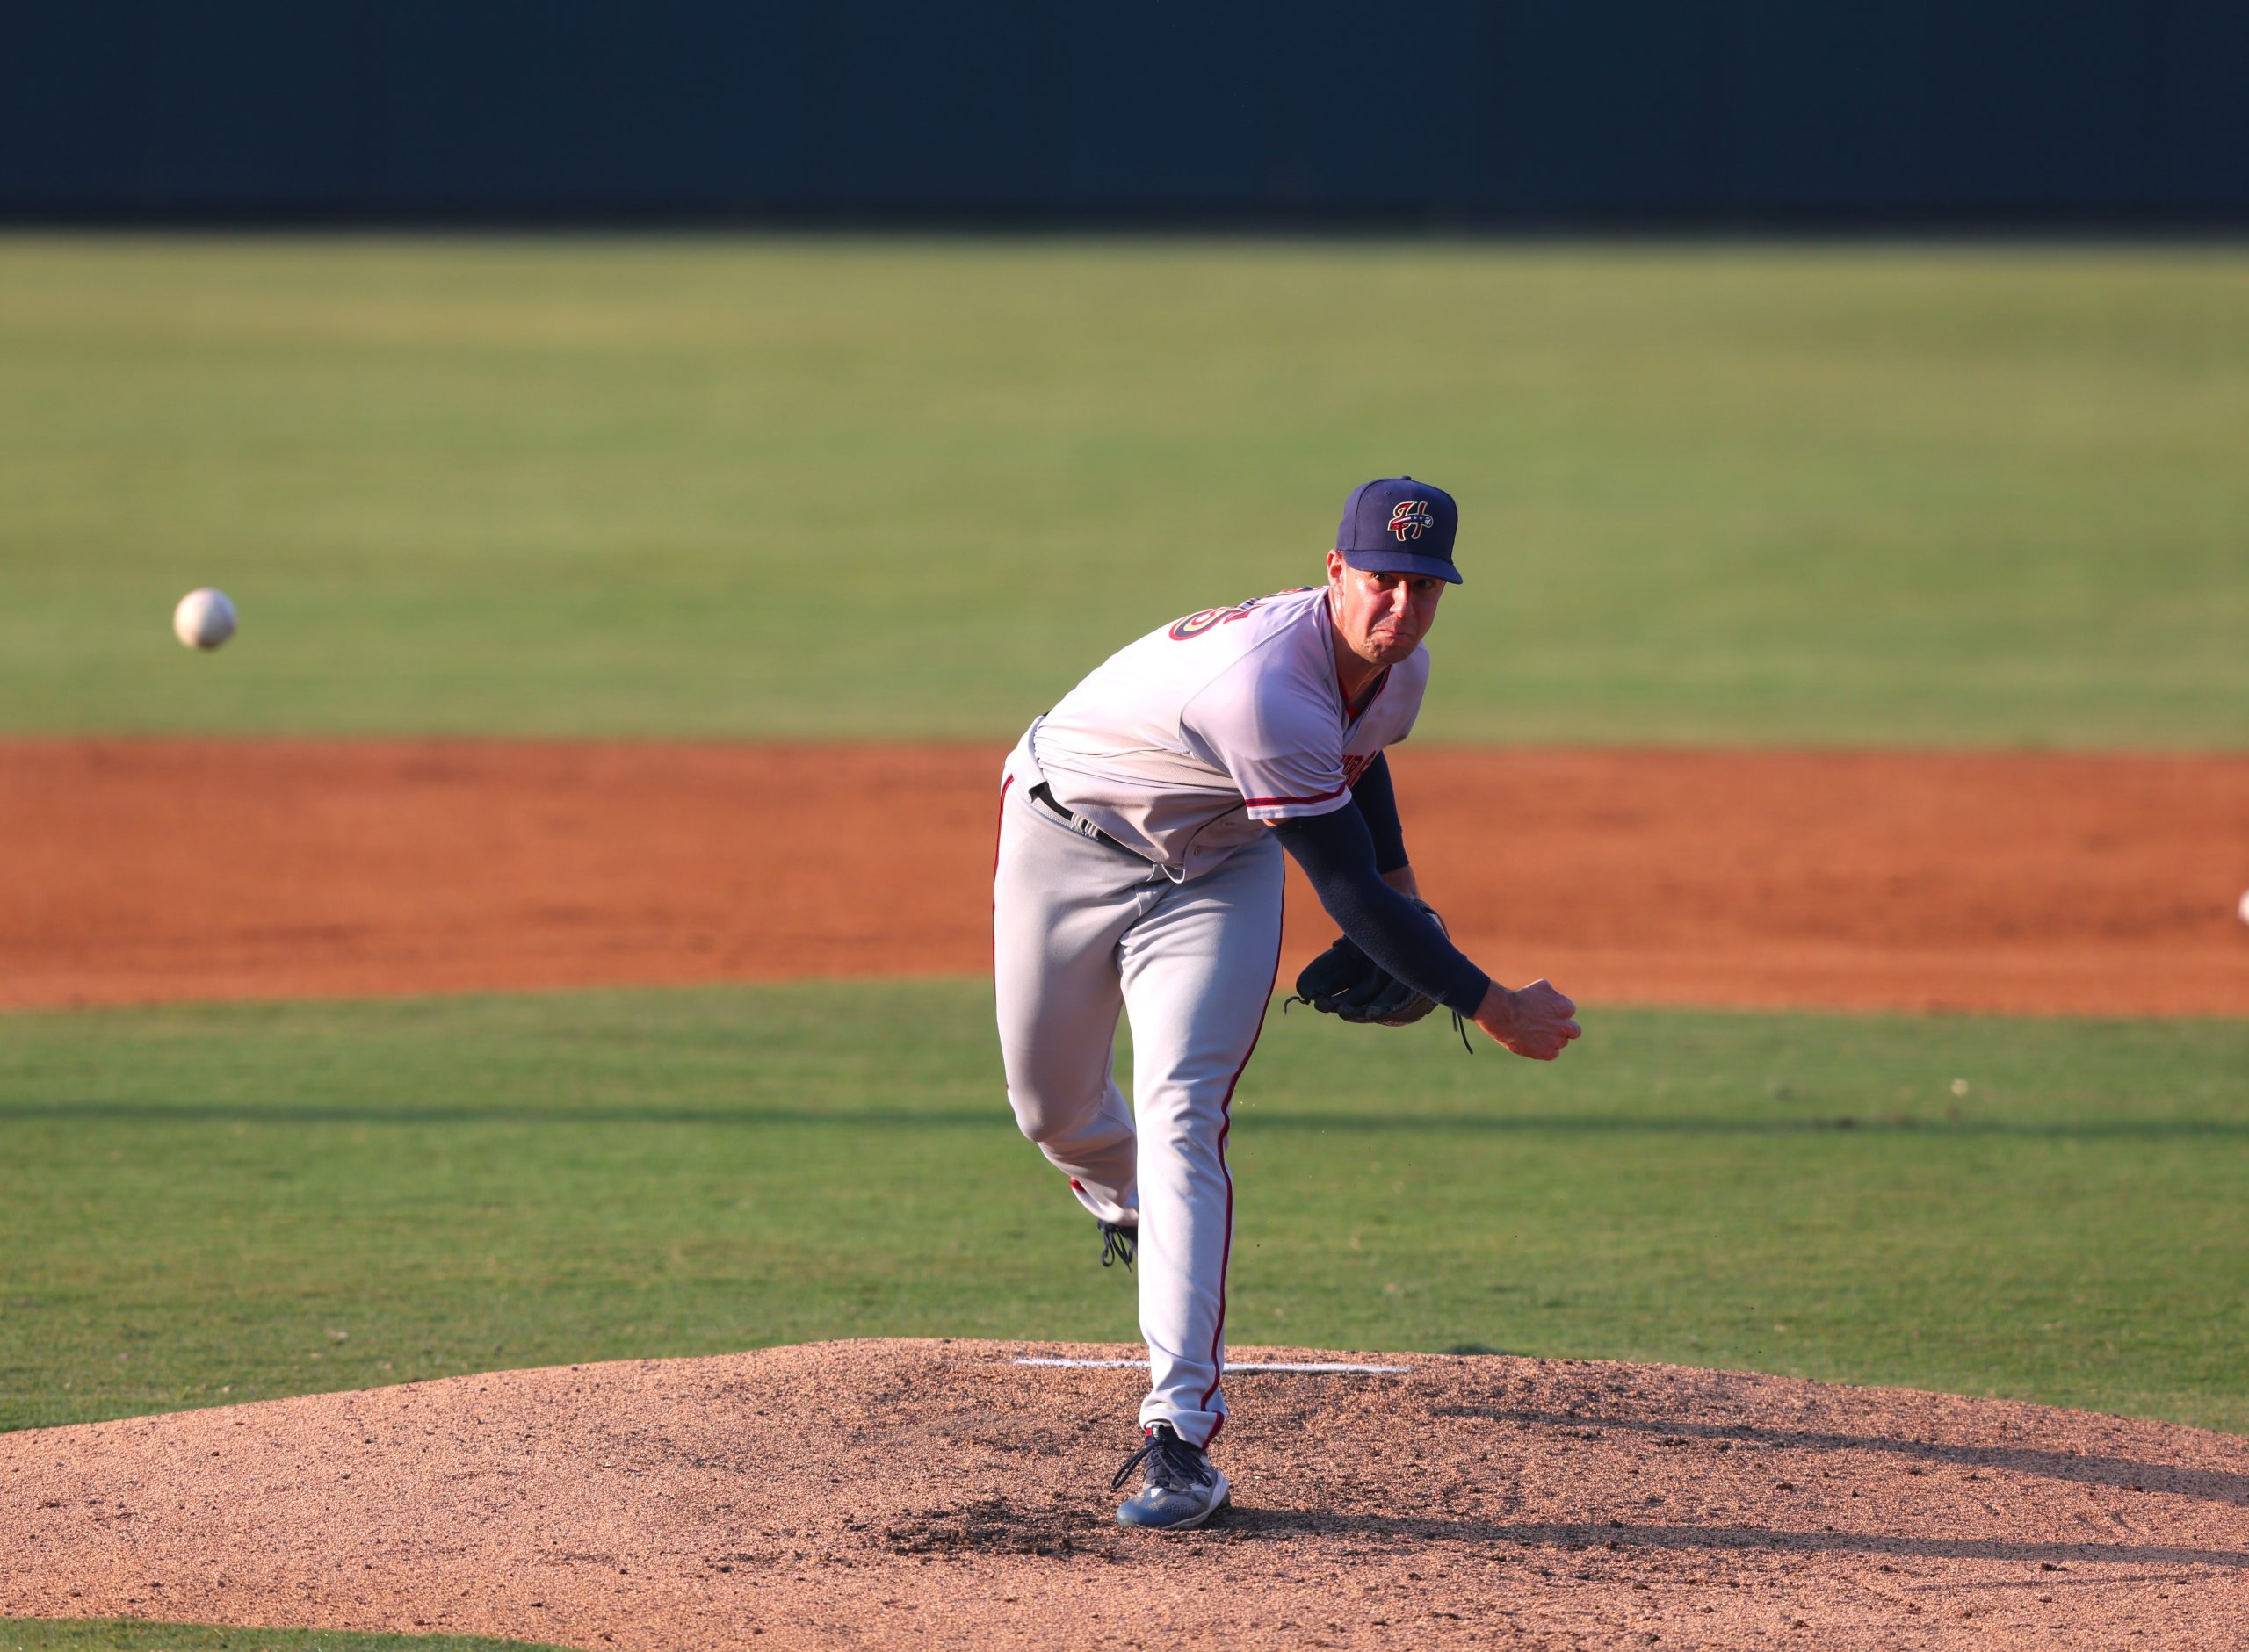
(1382, 617)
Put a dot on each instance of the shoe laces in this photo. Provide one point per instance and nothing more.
(1173, 1464)
(1118, 1245)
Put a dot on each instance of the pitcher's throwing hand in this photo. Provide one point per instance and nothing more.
(1536, 1021)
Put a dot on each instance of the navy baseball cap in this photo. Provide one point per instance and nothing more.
(1397, 525)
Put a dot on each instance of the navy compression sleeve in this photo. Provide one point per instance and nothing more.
(1378, 801)
(1336, 852)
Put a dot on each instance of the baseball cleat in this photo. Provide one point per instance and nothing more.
(1119, 1244)
(1179, 1488)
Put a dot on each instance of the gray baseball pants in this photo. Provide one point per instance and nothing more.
(1081, 930)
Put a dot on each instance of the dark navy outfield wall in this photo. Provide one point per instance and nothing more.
(1535, 112)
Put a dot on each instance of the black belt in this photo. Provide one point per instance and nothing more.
(1079, 823)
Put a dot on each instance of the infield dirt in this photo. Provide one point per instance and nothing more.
(160, 870)
(938, 1494)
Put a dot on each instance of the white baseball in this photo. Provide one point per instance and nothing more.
(2245, 906)
(204, 619)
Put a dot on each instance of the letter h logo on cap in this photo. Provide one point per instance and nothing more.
(1397, 525)
(1408, 519)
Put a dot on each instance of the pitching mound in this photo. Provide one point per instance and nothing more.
(940, 1494)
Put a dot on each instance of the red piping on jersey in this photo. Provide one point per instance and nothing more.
(1226, 1129)
(1268, 803)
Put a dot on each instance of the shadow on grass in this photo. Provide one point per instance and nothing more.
(996, 1117)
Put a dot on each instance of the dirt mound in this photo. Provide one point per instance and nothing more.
(940, 1494)
(180, 869)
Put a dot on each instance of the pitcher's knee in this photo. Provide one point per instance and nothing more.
(1046, 1119)
(1033, 1117)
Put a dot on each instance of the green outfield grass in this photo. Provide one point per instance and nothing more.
(119, 1634)
(867, 487)
(209, 1205)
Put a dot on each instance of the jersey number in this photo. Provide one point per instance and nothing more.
(1195, 623)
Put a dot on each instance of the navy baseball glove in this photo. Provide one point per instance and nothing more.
(1344, 981)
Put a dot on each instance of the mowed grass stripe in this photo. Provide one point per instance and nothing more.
(899, 489)
(206, 1205)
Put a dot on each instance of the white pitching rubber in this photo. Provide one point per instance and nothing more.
(1317, 1367)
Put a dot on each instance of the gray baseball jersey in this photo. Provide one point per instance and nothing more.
(1135, 873)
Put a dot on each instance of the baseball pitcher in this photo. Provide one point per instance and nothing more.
(1141, 828)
